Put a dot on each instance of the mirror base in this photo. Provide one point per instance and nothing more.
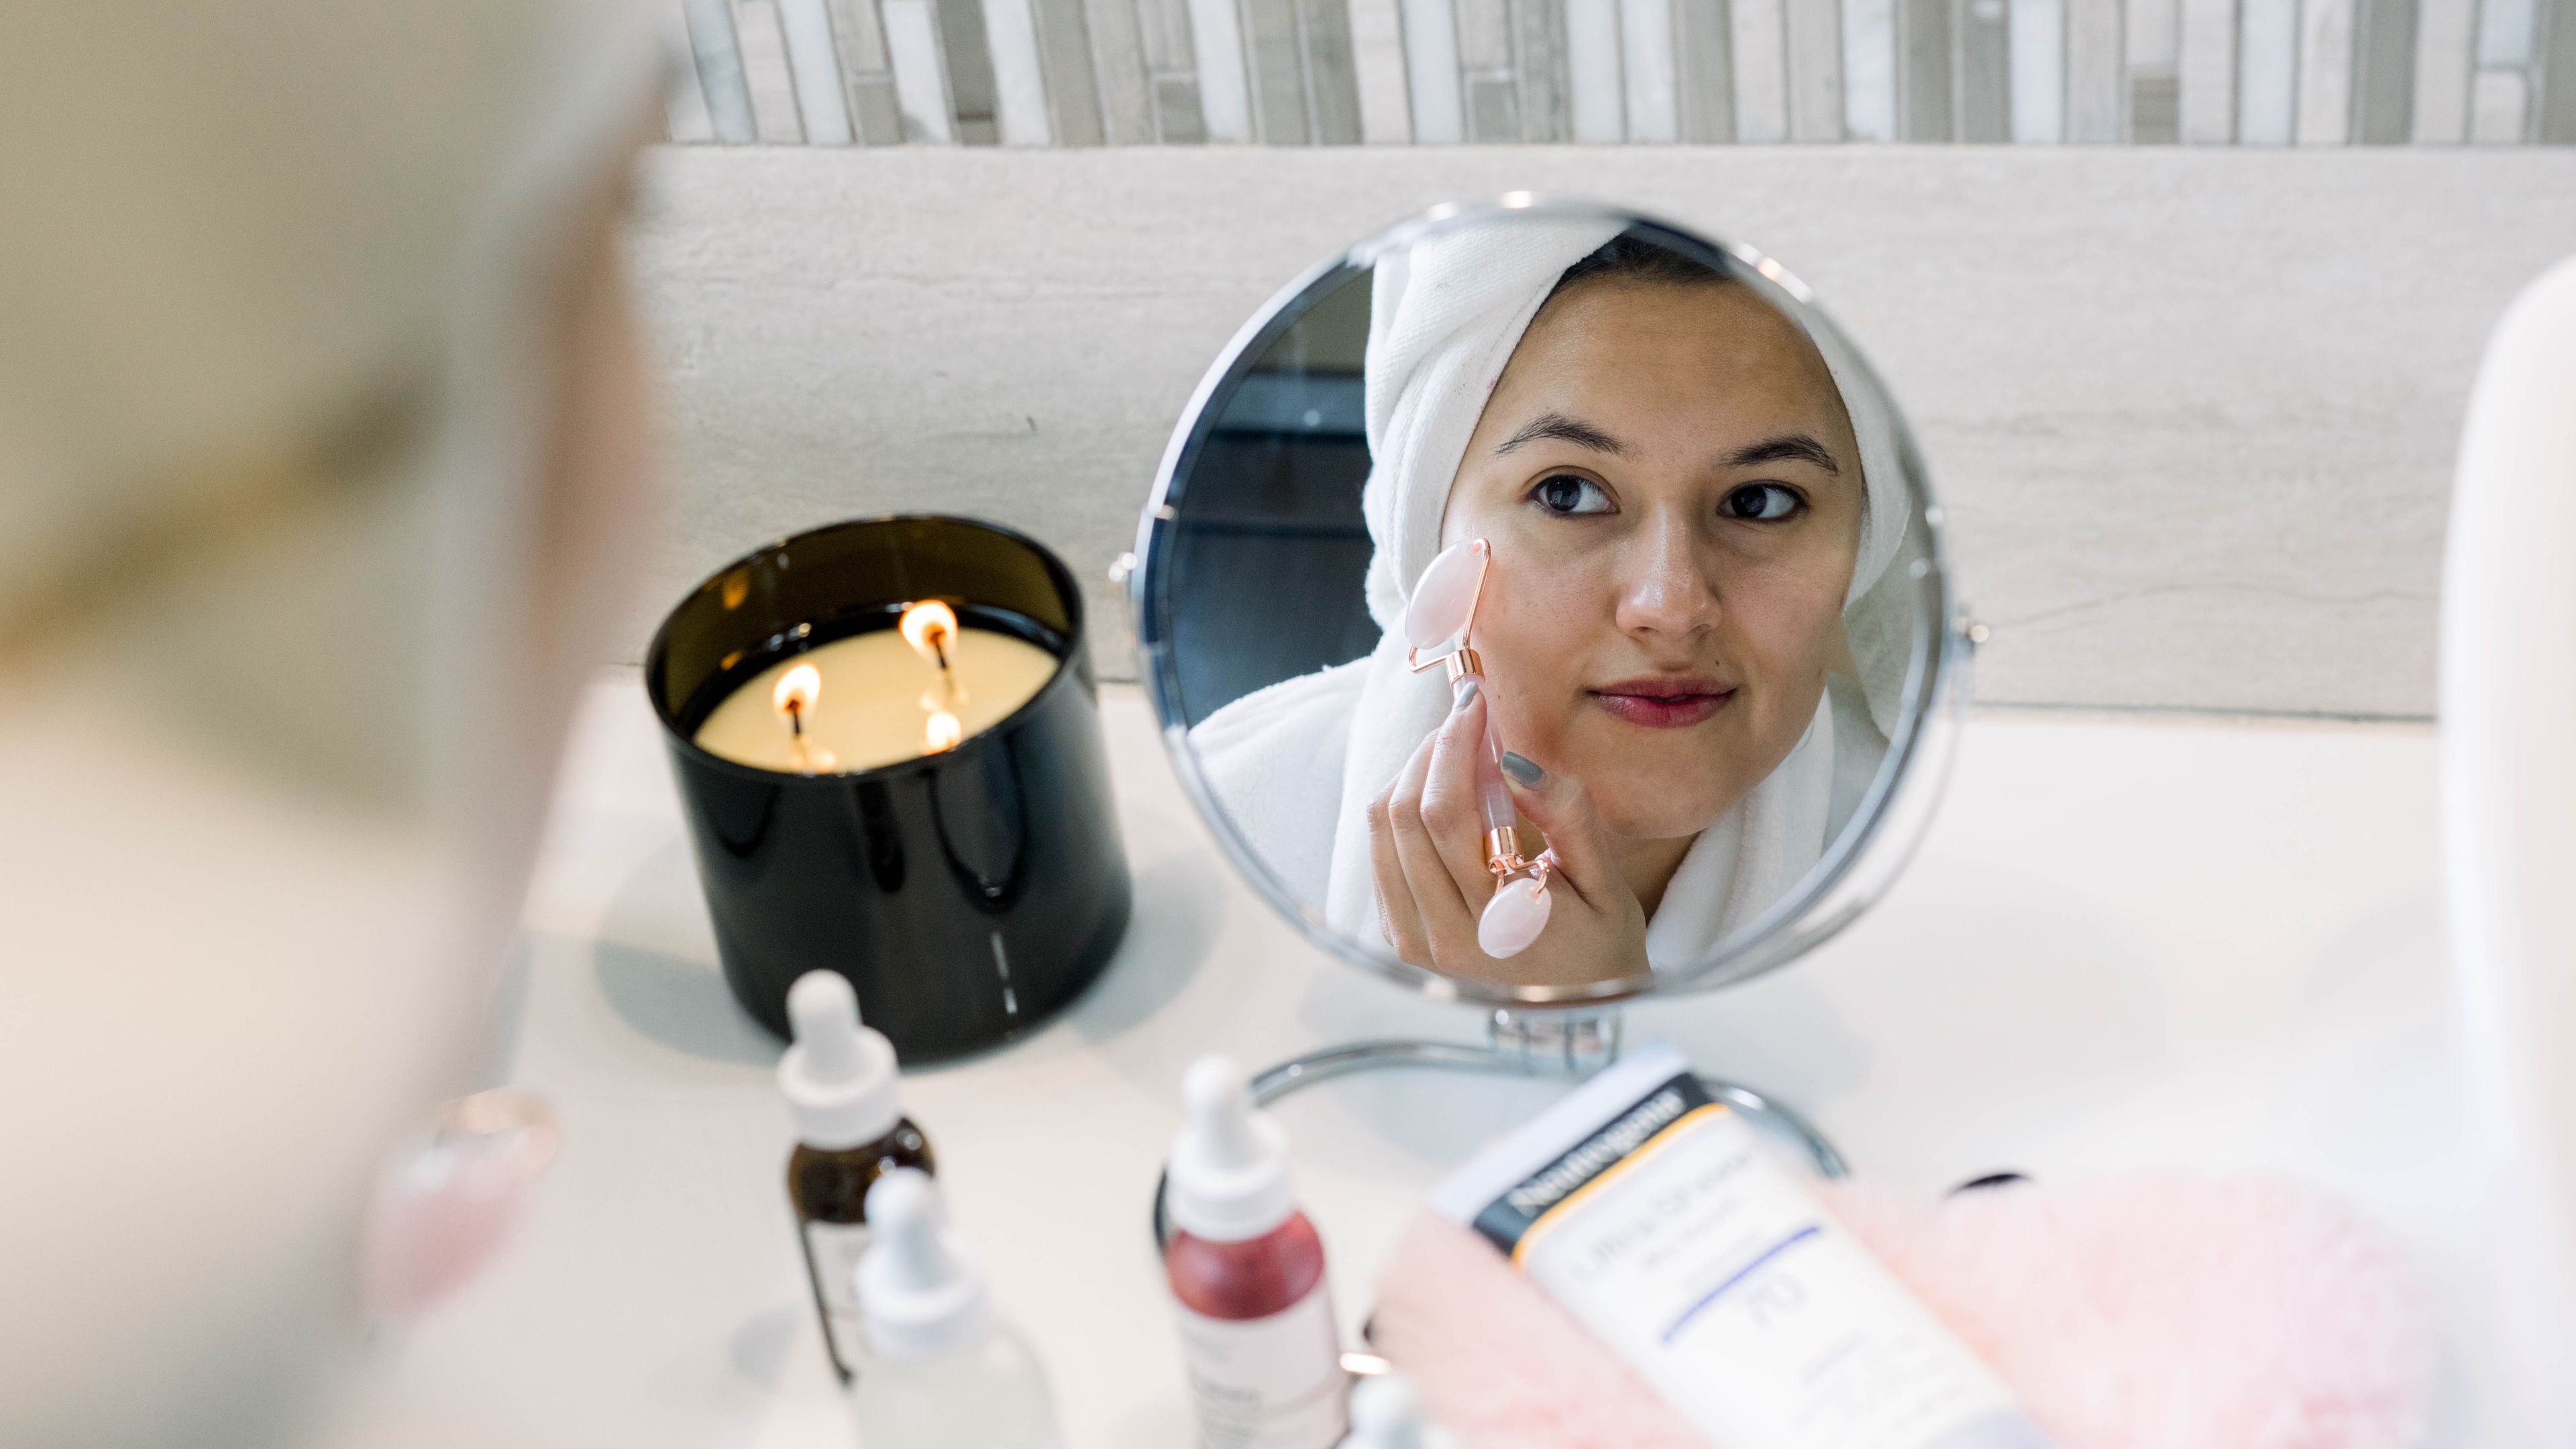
(1523, 1043)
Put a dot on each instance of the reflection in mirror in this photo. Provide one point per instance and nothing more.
(1544, 589)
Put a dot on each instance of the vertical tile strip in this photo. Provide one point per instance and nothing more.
(2155, 72)
(1593, 65)
(814, 64)
(1225, 100)
(2445, 31)
(2096, 72)
(1330, 72)
(1019, 79)
(1173, 63)
(1492, 87)
(1538, 66)
(2267, 72)
(2383, 72)
(685, 106)
(1432, 72)
(1924, 110)
(1704, 70)
(970, 71)
(1648, 70)
(2555, 124)
(718, 51)
(1984, 74)
(1118, 66)
(1761, 44)
(1815, 65)
(2500, 93)
(867, 76)
(2039, 71)
(2325, 72)
(2208, 72)
(1275, 66)
(920, 75)
(1378, 68)
(764, 73)
(1869, 70)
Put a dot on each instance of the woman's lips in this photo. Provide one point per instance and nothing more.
(1664, 703)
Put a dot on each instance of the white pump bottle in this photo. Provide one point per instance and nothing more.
(947, 1374)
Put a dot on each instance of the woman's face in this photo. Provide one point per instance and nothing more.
(1672, 492)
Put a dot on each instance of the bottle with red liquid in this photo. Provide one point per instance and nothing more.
(1247, 1275)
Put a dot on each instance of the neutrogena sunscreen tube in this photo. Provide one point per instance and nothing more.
(1653, 1214)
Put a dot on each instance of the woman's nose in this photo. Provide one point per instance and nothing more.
(1663, 587)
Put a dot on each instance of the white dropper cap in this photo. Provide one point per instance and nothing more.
(839, 1077)
(917, 1287)
(1386, 1413)
(1229, 1170)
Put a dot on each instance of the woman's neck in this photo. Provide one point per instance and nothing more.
(1649, 866)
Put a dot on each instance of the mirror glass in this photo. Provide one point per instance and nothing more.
(1545, 603)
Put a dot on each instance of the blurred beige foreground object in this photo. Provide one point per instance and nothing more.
(321, 425)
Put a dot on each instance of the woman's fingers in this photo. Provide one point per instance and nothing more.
(1558, 804)
(1397, 915)
(1447, 918)
(1449, 795)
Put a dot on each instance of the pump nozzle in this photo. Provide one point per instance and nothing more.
(917, 1287)
(1386, 1413)
(1229, 1173)
(839, 1077)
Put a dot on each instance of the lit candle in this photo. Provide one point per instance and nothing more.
(887, 744)
(877, 698)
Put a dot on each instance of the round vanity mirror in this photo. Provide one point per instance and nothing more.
(1546, 605)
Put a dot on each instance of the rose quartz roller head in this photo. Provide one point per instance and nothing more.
(445, 1207)
(1436, 627)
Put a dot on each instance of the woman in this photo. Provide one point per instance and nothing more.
(1685, 526)
(322, 447)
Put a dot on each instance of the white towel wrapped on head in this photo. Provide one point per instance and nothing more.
(1297, 765)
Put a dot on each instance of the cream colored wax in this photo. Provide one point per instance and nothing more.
(869, 712)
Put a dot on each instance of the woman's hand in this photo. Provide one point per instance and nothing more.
(1427, 847)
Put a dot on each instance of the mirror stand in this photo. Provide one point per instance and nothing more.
(1526, 1043)
(1519, 1043)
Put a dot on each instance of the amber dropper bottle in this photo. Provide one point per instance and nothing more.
(839, 1080)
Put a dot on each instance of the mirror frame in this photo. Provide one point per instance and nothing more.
(1893, 813)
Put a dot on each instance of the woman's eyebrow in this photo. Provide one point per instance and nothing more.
(1785, 448)
(1564, 429)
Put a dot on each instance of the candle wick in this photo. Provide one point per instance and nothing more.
(796, 718)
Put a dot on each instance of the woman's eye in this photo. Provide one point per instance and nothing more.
(1566, 493)
(1762, 502)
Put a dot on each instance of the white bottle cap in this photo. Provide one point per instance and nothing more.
(839, 1077)
(1386, 1413)
(1229, 1171)
(917, 1287)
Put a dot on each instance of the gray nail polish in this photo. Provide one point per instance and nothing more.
(1523, 770)
(1462, 692)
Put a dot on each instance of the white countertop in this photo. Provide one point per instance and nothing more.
(2126, 942)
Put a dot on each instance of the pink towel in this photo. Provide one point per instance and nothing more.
(2155, 1312)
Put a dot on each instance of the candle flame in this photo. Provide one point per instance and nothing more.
(930, 627)
(941, 732)
(797, 690)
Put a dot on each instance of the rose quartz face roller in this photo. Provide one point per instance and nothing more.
(1436, 627)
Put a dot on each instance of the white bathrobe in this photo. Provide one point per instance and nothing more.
(1295, 765)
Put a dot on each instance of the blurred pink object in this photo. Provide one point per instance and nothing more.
(2150, 1312)
(443, 1212)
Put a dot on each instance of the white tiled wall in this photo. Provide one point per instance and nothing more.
(1300, 72)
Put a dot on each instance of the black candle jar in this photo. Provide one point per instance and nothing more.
(967, 895)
